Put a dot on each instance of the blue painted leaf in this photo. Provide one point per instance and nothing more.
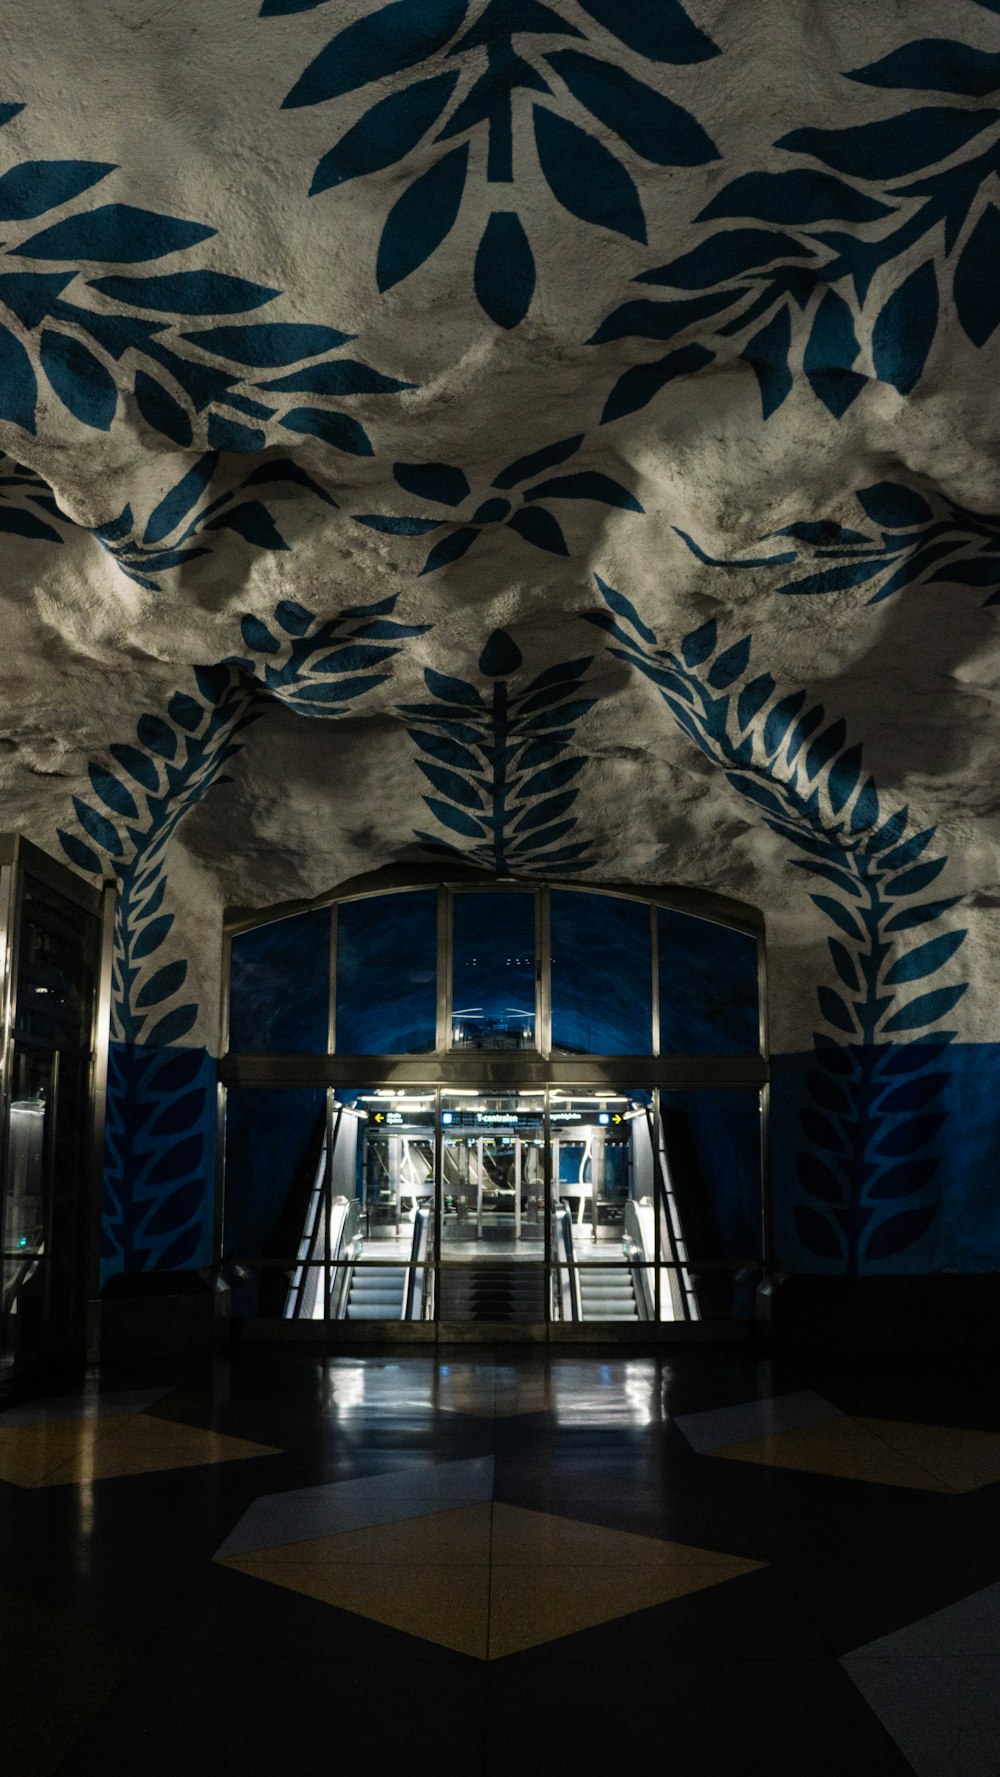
(983, 571)
(395, 525)
(539, 527)
(162, 984)
(817, 1233)
(585, 484)
(448, 751)
(227, 434)
(151, 936)
(386, 133)
(924, 913)
(897, 1233)
(753, 697)
(896, 507)
(355, 657)
(911, 882)
(977, 278)
(625, 608)
(819, 1129)
(278, 8)
(731, 664)
(767, 355)
(637, 387)
(913, 965)
(793, 199)
(268, 344)
(893, 145)
(907, 1138)
(251, 520)
(904, 1179)
(845, 965)
(697, 646)
(835, 1011)
(934, 64)
(339, 376)
(293, 618)
(661, 33)
(780, 719)
(78, 853)
(187, 293)
(551, 809)
(837, 579)
(35, 186)
(832, 348)
(172, 1027)
(818, 1179)
(160, 410)
(912, 1095)
(892, 831)
(394, 37)
(585, 177)
(643, 318)
(501, 656)
(139, 764)
(112, 792)
(99, 828)
(536, 842)
(755, 792)
(647, 121)
(18, 387)
(504, 274)
(421, 218)
(452, 690)
(456, 788)
(116, 232)
(157, 736)
(828, 1093)
(455, 819)
(491, 511)
(433, 481)
(904, 330)
(186, 711)
(338, 429)
(926, 1008)
(551, 778)
(20, 523)
(258, 637)
(180, 499)
(537, 460)
(725, 256)
(843, 778)
(841, 916)
(865, 812)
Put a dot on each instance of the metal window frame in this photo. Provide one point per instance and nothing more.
(497, 1069)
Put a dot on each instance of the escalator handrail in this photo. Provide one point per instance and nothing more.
(566, 1272)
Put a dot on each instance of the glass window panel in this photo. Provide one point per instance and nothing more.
(708, 987)
(601, 975)
(279, 993)
(712, 1167)
(387, 975)
(56, 969)
(493, 979)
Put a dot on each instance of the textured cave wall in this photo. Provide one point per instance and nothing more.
(348, 349)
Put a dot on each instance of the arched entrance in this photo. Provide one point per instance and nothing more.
(494, 1107)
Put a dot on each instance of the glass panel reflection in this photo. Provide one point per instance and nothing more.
(279, 993)
(493, 978)
(708, 987)
(387, 975)
(603, 1206)
(602, 975)
(275, 1160)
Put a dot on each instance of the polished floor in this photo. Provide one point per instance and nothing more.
(284, 1563)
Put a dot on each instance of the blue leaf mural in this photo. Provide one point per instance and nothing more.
(518, 509)
(830, 814)
(499, 757)
(468, 86)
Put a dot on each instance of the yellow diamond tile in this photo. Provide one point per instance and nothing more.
(844, 1449)
(525, 1538)
(443, 1602)
(962, 1460)
(75, 1452)
(460, 1535)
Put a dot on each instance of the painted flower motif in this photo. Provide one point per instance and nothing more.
(93, 333)
(570, 60)
(509, 502)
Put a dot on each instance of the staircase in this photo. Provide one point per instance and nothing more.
(376, 1293)
(607, 1295)
(492, 1290)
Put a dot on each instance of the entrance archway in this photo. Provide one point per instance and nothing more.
(482, 1107)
